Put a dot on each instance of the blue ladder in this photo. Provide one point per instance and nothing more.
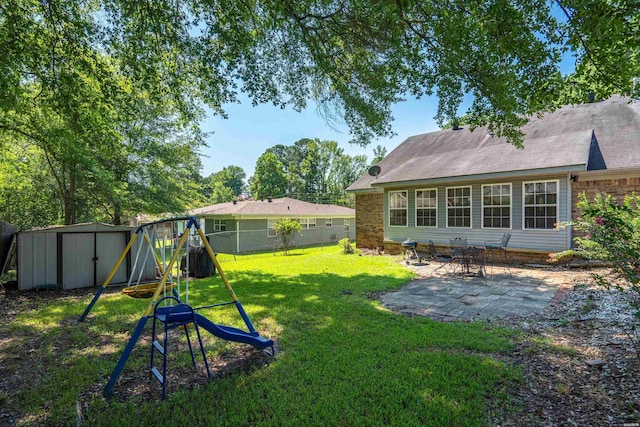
(173, 317)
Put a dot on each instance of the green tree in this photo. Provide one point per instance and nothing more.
(354, 59)
(225, 185)
(287, 228)
(269, 179)
(379, 153)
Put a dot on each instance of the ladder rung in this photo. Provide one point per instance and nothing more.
(158, 347)
(158, 375)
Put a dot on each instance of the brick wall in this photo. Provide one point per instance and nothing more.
(617, 187)
(370, 220)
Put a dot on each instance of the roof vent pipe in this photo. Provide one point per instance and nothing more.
(235, 202)
(454, 125)
(269, 199)
(592, 97)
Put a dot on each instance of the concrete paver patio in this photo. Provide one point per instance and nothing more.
(450, 297)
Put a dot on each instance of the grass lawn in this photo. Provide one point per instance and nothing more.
(342, 359)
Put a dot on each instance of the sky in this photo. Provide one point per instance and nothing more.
(248, 131)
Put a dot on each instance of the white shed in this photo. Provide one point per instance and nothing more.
(76, 256)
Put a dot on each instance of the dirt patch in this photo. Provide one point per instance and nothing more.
(580, 361)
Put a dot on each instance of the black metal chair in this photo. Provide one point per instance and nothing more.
(499, 247)
(446, 261)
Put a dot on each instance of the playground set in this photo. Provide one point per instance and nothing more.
(169, 305)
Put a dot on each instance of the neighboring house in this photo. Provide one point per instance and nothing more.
(461, 183)
(248, 226)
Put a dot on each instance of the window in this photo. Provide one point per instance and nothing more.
(540, 205)
(271, 228)
(219, 225)
(496, 206)
(398, 208)
(307, 223)
(459, 207)
(328, 222)
(347, 224)
(426, 208)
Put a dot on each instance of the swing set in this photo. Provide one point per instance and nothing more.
(169, 303)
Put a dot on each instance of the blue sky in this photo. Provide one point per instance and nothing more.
(249, 131)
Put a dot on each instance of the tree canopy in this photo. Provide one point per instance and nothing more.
(106, 95)
(354, 58)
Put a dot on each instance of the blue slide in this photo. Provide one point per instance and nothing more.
(233, 334)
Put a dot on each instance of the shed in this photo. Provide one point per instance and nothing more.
(76, 256)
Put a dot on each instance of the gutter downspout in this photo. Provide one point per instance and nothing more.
(570, 211)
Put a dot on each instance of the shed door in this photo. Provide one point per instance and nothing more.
(77, 260)
(109, 247)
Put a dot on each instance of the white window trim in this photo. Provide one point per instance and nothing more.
(328, 222)
(217, 225)
(416, 207)
(555, 229)
(306, 223)
(510, 207)
(271, 226)
(389, 208)
(446, 202)
(347, 224)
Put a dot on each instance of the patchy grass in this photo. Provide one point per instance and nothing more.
(342, 358)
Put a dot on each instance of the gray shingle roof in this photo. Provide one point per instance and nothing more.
(603, 135)
(282, 207)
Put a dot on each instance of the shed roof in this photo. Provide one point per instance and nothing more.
(281, 207)
(89, 227)
(603, 135)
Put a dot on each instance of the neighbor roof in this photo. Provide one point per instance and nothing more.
(282, 207)
(603, 135)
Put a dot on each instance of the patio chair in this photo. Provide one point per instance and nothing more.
(499, 247)
(446, 261)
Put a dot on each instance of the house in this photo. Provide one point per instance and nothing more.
(459, 183)
(248, 226)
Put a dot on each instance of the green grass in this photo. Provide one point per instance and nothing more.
(343, 359)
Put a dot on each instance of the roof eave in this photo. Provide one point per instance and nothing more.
(486, 176)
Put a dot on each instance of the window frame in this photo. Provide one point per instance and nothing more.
(271, 230)
(328, 222)
(406, 208)
(435, 208)
(347, 224)
(470, 207)
(307, 223)
(219, 225)
(482, 206)
(556, 205)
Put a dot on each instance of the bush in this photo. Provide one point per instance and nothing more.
(612, 234)
(286, 228)
(346, 246)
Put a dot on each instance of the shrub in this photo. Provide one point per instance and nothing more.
(286, 228)
(346, 246)
(611, 232)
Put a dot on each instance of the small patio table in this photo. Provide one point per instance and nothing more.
(471, 258)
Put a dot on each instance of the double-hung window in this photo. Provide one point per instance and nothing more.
(328, 222)
(540, 205)
(459, 207)
(271, 228)
(398, 206)
(347, 224)
(307, 223)
(427, 208)
(496, 206)
(219, 225)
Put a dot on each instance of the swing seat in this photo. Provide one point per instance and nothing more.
(145, 290)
